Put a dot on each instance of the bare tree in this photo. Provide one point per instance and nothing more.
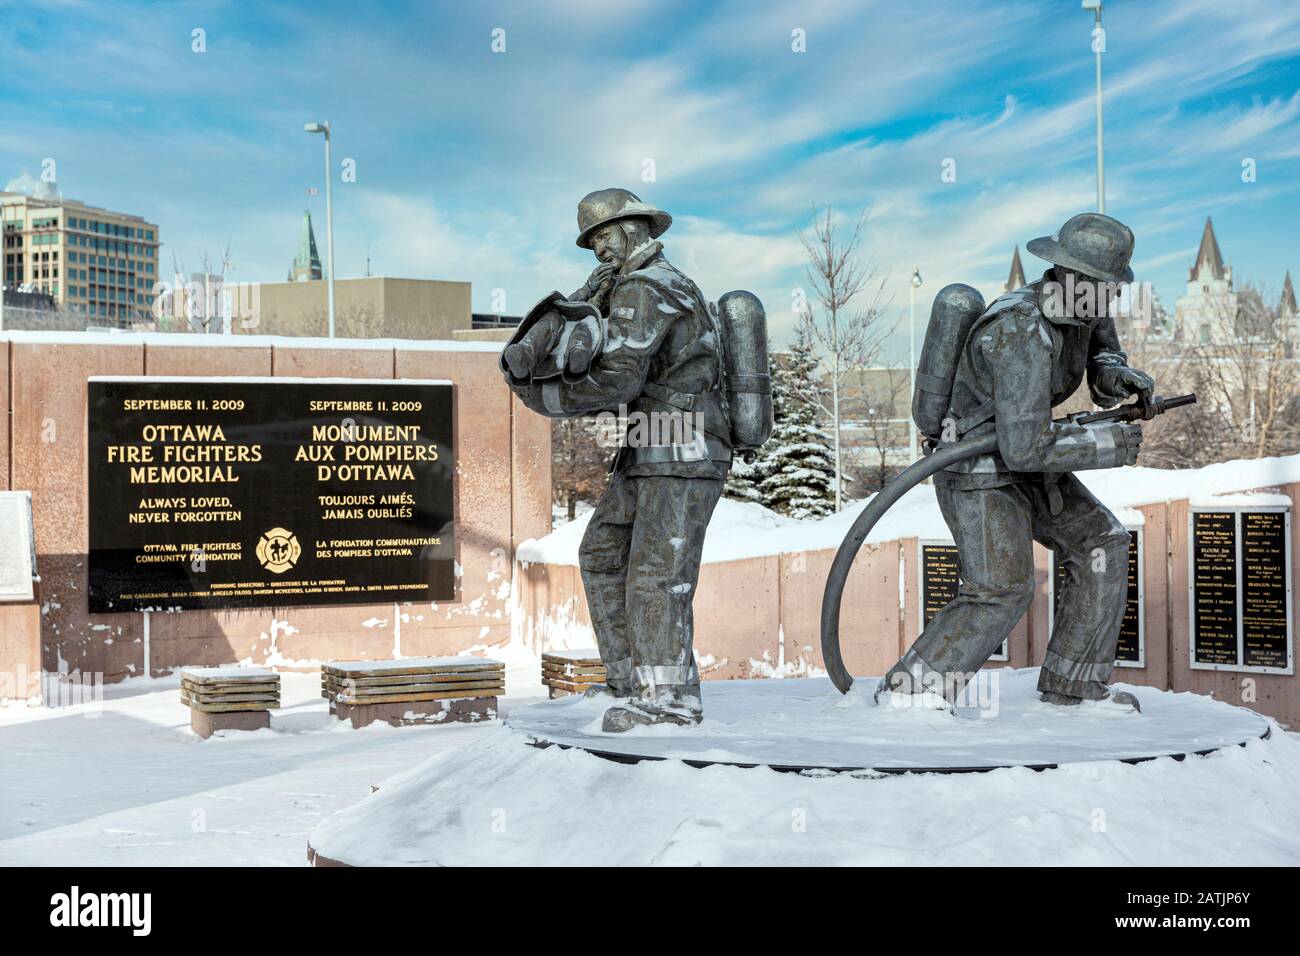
(1246, 377)
(1250, 381)
(883, 428)
(847, 330)
(201, 303)
(579, 464)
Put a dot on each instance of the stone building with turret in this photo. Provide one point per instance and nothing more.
(1207, 312)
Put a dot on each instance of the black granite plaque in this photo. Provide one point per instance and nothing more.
(1128, 649)
(263, 493)
(1214, 587)
(940, 578)
(1264, 574)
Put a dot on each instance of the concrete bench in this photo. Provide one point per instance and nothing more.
(413, 690)
(229, 698)
(572, 672)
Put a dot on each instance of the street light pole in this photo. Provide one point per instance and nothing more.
(911, 344)
(329, 215)
(1098, 47)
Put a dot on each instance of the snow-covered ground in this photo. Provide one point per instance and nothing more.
(133, 785)
(127, 783)
(497, 801)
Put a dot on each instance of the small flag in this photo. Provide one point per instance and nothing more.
(313, 191)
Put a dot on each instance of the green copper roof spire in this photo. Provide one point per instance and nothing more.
(306, 264)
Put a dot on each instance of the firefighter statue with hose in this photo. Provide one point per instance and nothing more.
(986, 384)
(690, 379)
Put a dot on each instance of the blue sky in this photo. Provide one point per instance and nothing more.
(469, 162)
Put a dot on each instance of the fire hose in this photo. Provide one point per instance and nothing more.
(1141, 410)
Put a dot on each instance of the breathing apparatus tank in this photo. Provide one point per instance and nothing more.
(955, 310)
(746, 378)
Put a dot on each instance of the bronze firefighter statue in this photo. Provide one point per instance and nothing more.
(639, 341)
(1003, 469)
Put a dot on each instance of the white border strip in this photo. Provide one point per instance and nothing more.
(243, 340)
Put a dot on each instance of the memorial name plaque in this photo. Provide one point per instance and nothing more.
(1264, 577)
(228, 493)
(1240, 589)
(1130, 649)
(940, 578)
(1214, 587)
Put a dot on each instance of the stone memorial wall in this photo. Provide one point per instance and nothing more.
(1211, 581)
(497, 492)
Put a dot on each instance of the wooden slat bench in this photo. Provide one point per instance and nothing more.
(229, 698)
(572, 672)
(413, 690)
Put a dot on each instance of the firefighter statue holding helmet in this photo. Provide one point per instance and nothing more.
(639, 340)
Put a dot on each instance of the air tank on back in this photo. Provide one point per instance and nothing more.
(749, 385)
(955, 310)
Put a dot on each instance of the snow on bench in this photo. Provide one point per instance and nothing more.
(572, 671)
(229, 698)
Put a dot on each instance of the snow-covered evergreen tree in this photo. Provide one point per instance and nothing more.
(743, 479)
(797, 474)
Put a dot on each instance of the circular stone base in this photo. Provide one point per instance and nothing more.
(806, 725)
(495, 800)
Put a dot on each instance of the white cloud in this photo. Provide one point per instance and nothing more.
(24, 182)
(471, 163)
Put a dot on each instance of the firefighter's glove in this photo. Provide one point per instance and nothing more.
(1117, 443)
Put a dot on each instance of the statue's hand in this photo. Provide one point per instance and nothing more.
(1125, 382)
(1121, 445)
(1136, 382)
(598, 283)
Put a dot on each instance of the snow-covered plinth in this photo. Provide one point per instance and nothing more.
(808, 724)
(498, 800)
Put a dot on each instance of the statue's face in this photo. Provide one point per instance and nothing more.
(1093, 298)
(614, 242)
(609, 244)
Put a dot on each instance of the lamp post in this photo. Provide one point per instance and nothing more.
(911, 345)
(1098, 48)
(329, 214)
